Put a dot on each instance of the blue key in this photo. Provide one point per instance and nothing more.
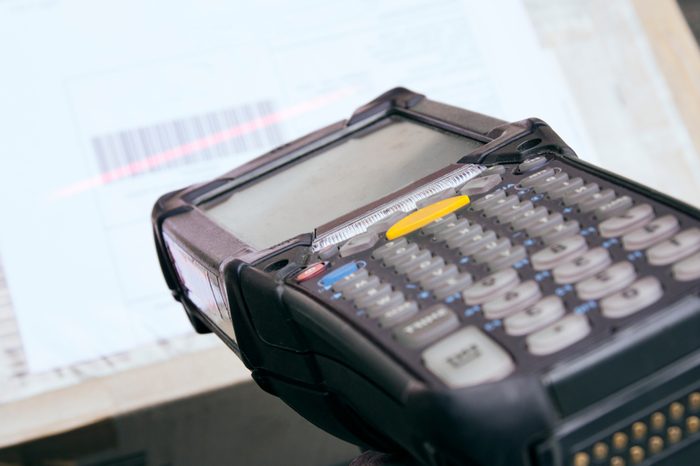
(343, 271)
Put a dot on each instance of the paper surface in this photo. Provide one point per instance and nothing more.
(107, 105)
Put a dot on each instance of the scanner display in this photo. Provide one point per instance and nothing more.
(317, 190)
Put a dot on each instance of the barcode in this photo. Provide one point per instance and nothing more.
(180, 142)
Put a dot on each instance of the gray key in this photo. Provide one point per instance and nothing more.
(494, 170)
(683, 244)
(566, 332)
(522, 296)
(421, 269)
(653, 232)
(455, 227)
(626, 222)
(400, 254)
(358, 243)
(551, 182)
(328, 252)
(596, 200)
(561, 231)
(466, 358)
(427, 326)
(501, 205)
(476, 242)
(347, 280)
(582, 192)
(384, 224)
(532, 163)
(439, 224)
(529, 217)
(614, 207)
(383, 304)
(507, 258)
(536, 177)
(480, 185)
(371, 295)
(358, 287)
(489, 250)
(398, 314)
(545, 224)
(487, 200)
(450, 192)
(687, 269)
(491, 287)
(583, 266)
(565, 187)
(609, 281)
(544, 312)
(410, 260)
(640, 294)
(453, 285)
(462, 235)
(386, 249)
(559, 252)
(514, 211)
(437, 276)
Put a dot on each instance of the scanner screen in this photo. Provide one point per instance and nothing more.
(329, 183)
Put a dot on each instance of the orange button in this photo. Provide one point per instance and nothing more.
(426, 215)
(311, 271)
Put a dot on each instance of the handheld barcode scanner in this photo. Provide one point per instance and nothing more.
(432, 281)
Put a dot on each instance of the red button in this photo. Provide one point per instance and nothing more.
(311, 271)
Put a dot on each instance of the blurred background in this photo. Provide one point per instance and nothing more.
(106, 105)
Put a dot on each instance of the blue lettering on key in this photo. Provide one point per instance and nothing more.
(562, 290)
(537, 197)
(539, 276)
(450, 299)
(567, 210)
(528, 242)
(588, 231)
(464, 260)
(523, 192)
(586, 307)
(610, 243)
(360, 313)
(336, 296)
(521, 263)
(470, 311)
(489, 326)
(411, 286)
(424, 294)
(343, 271)
(635, 255)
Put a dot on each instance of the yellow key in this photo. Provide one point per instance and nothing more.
(424, 216)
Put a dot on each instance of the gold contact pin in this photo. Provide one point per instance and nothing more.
(656, 444)
(617, 461)
(637, 454)
(582, 459)
(692, 424)
(658, 421)
(639, 430)
(676, 410)
(619, 440)
(600, 451)
(674, 434)
(694, 401)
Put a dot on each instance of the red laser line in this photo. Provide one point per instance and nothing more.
(213, 139)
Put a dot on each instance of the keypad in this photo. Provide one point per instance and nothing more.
(544, 257)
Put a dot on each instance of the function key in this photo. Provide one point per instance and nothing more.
(481, 185)
(536, 178)
(514, 211)
(400, 254)
(559, 252)
(640, 294)
(357, 287)
(409, 260)
(439, 224)
(388, 247)
(380, 227)
(452, 285)
(608, 281)
(474, 243)
(427, 326)
(507, 258)
(657, 230)
(491, 249)
(422, 268)
(582, 192)
(529, 217)
(583, 266)
(340, 284)
(558, 336)
(398, 314)
(466, 358)
(494, 170)
(561, 231)
(545, 224)
(383, 304)
(543, 313)
(501, 205)
(370, 296)
(487, 201)
(565, 187)
(532, 163)
(614, 207)
(592, 202)
(522, 296)
(435, 198)
(437, 277)
(491, 287)
(358, 243)
(454, 227)
(329, 252)
(687, 269)
(460, 236)
(676, 248)
(624, 223)
(551, 182)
